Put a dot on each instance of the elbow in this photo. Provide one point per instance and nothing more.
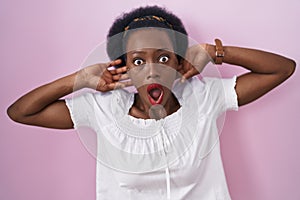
(287, 70)
(290, 68)
(13, 114)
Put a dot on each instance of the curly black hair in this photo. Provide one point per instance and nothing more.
(127, 21)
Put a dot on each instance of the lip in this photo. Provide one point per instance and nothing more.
(154, 86)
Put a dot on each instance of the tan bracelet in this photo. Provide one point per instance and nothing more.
(219, 52)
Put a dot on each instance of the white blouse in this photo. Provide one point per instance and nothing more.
(177, 157)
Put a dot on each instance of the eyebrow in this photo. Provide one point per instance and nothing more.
(144, 52)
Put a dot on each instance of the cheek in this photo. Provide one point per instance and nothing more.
(137, 78)
(170, 77)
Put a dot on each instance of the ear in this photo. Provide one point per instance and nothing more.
(180, 68)
(180, 64)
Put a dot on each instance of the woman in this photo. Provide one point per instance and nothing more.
(161, 142)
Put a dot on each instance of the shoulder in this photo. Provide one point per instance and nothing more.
(208, 84)
(89, 100)
(94, 109)
(215, 93)
(219, 84)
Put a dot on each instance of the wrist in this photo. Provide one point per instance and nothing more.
(83, 80)
(211, 50)
(219, 52)
(216, 52)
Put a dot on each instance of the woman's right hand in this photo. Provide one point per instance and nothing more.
(103, 77)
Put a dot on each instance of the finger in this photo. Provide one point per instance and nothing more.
(200, 68)
(188, 75)
(111, 65)
(114, 62)
(186, 64)
(124, 84)
(120, 77)
(103, 86)
(119, 70)
(112, 71)
(118, 85)
(107, 76)
(116, 77)
(124, 77)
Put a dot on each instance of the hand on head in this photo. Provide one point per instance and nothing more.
(194, 62)
(104, 77)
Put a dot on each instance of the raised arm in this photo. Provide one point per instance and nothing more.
(43, 106)
(266, 70)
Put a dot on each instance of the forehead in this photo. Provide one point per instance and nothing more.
(150, 38)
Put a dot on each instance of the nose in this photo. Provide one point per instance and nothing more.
(153, 71)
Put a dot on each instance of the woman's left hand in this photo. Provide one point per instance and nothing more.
(194, 62)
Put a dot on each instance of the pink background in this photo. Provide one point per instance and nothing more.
(43, 40)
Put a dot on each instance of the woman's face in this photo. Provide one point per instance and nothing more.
(152, 64)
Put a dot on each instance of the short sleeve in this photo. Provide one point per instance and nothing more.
(79, 108)
(88, 110)
(231, 100)
(219, 94)
(97, 109)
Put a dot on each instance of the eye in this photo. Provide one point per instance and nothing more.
(163, 59)
(138, 61)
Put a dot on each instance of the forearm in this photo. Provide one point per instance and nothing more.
(256, 61)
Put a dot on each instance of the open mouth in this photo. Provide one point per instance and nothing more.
(155, 93)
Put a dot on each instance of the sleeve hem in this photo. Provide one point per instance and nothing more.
(69, 106)
(231, 96)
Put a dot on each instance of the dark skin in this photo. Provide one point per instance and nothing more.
(267, 70)
(40, 106)
(160, 65)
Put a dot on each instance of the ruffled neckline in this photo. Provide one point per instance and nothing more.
(146, 142)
